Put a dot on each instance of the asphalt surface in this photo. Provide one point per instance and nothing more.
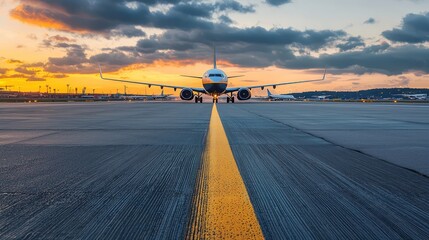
(128, 170)
(303, 186)
(99, 170)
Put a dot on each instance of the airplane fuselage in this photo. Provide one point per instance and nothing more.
(215, 81)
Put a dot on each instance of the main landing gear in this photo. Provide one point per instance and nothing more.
(199, 99)
(230, 99)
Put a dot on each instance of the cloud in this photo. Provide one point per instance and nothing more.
(35, 79)
(225, 20)
(25, 70)
(225, 35)
(57, 76)
(59, 38)
(127, 31)
(414, 29)
(14, 61)
(32, 36)
(10, 76)
(3, 70)
(230, 5)
(87, 17)
(382, 59)
(369, 21)
(277, 2)
(351, 43)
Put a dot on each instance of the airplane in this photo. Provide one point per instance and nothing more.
(321, 97)
(215, 84)
(160, 96)
(276, 97)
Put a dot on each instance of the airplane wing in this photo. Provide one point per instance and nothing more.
(234, 89)
(200, 90)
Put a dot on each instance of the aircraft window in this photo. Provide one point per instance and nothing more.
(215, 75)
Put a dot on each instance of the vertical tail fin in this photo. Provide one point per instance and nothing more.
(214, 57)
(162, 92)
(268, 92)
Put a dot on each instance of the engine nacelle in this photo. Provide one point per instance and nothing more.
(244, 94)
(187, 94)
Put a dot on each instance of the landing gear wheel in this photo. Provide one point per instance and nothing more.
(196, 99)
(232, 99)
(201, 99)
(227, 100)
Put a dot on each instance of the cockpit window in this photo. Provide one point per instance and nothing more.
(216, 75)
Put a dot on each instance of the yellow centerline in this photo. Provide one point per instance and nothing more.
(222, 207)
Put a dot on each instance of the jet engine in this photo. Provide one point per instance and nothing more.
(186, 94)
(244, 94)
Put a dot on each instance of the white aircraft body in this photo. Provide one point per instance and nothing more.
(321, 97)
(276, 97)
(215, 83)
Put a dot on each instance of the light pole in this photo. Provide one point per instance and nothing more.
(68, 88)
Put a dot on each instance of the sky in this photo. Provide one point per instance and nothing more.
(363, 44)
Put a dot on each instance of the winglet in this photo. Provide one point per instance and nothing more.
(324, 75)
(101, 74)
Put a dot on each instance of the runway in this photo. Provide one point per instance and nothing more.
(133, 170)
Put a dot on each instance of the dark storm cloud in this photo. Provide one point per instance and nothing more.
(369, 21)
(225, 35)
(383, 58)
(3, 70)
(351, 43)
(277, 2)
(102, 16)
(231, 5)
(127, 31)
(414, 29)
(390, 61)
(225, 20)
